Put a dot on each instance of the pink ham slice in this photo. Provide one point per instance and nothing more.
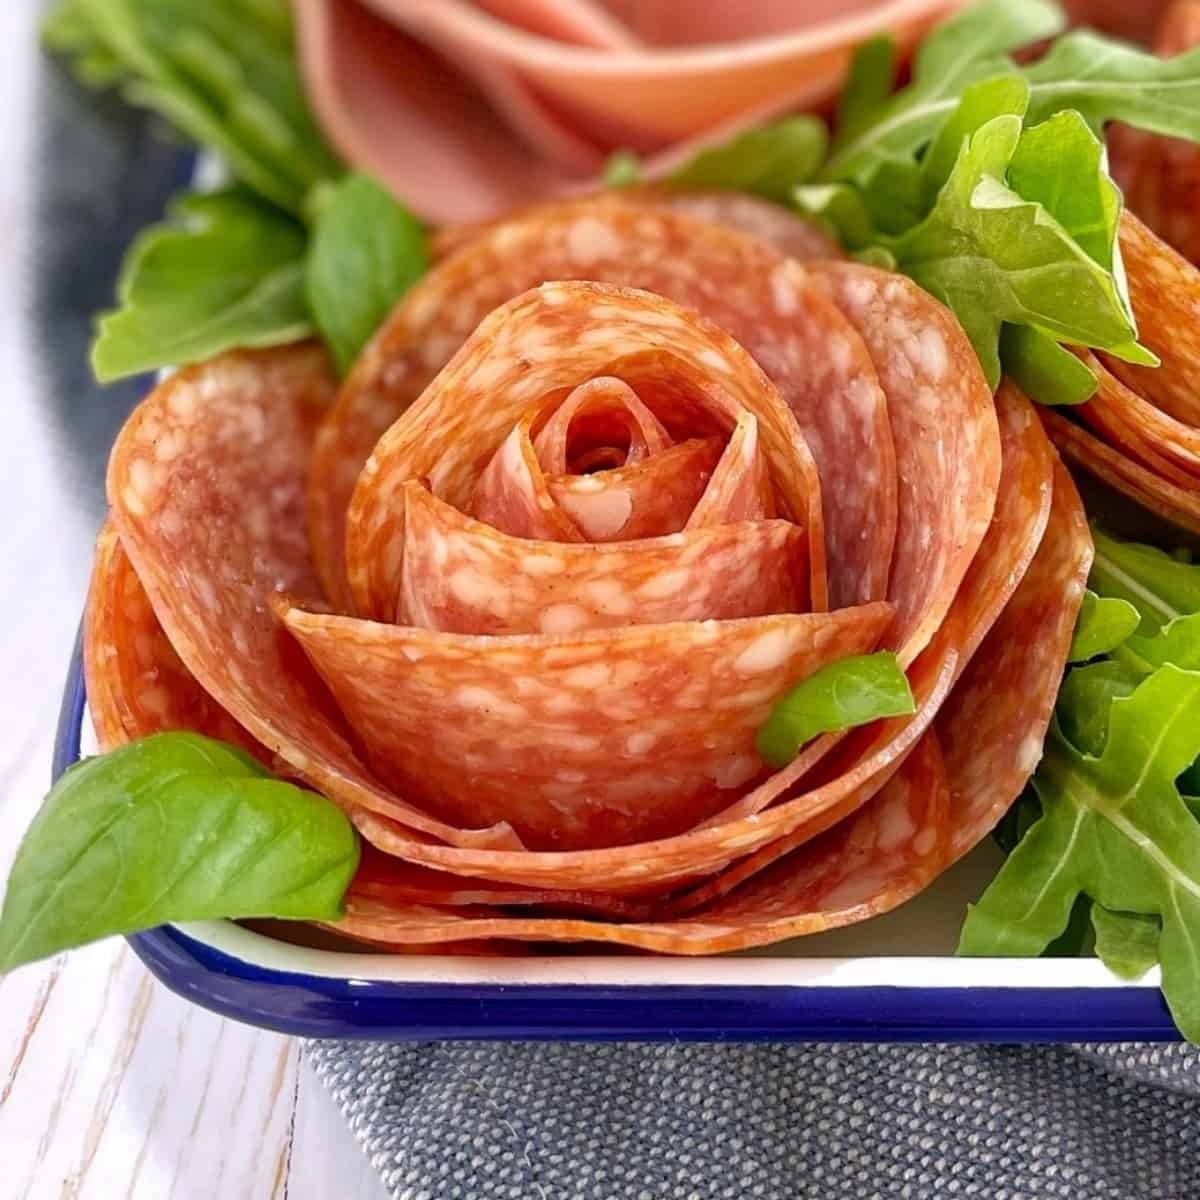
(467, 110)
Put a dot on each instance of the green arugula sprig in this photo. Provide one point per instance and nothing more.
(1110, 828)
(295, 248)
(175, 827)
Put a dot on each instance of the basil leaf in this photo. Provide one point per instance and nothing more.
(224, 72)
(1127, 942)
(1044, 370)
(1114, 827)
(768, 161)
(839, 696)
(991, 255)
(367, 251)
(1159, 586)
(965, 49)
(1105, 80)
(1103, 624)
(224, 270)
(175, 827)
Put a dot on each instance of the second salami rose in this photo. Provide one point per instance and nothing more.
(591, 557)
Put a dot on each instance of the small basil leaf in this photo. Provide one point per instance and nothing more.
(225, 270)
(1044, 370)
(768, 161)
(1126, 942)
(1104, 623)
(367, 250)
(175, 827)
(840, 696)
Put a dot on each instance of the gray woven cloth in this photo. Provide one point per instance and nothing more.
(529, 1121)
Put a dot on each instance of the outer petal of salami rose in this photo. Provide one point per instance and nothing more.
(601, 738)
(206, 484)
(809, 350)
(547, 340)
(1128, 423)
(995, 721)
(461, 576)
(885, 853)
(946, 438)
(136, 683)
(1180, 506)
(1164, 289)
(1016, 531)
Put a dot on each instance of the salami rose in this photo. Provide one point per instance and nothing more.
(612, 479)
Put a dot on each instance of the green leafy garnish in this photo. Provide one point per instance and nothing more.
(1042, 368)
(1114, 818)
(623, 168)
(224, 72)
(839, 696)
(175, 827)
(224, 270)
(367, 251)
(1127, 942)
(1104, 623)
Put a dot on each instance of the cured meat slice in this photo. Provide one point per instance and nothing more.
(1017, 528)
(465, 113)
(1129, 423)
(1180, 506)
(692, 376)
(136, 683)
(947, 441)
(647, 499)
(461, 576)
(995, 722)
(206, 486)
(766, 302)
(884, 854)
(600, 738)
(1164, 289)
(642, 868)
(779, 227)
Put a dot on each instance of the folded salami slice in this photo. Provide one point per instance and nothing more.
(136, 683)
(764, 300)
(206, 485)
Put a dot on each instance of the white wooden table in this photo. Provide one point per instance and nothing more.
(109, 1085)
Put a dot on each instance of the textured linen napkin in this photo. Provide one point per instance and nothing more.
(540, 1121)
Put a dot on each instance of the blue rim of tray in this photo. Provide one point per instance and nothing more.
(321, 1006)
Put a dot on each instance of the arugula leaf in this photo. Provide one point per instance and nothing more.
(1043, 369)
(1113, 827)
(367, 251)
(1103, 624)
(869, 82)
(224, 270)
(1085, 699)
(965, 49)
(224, 72)
(1178, 642)
(841, 209)
(1105, 80)
(768, 161)
(839, 696)
(1159, 586)
(623, 168)
(993, 255)
(1127, 942)
(175, 827)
